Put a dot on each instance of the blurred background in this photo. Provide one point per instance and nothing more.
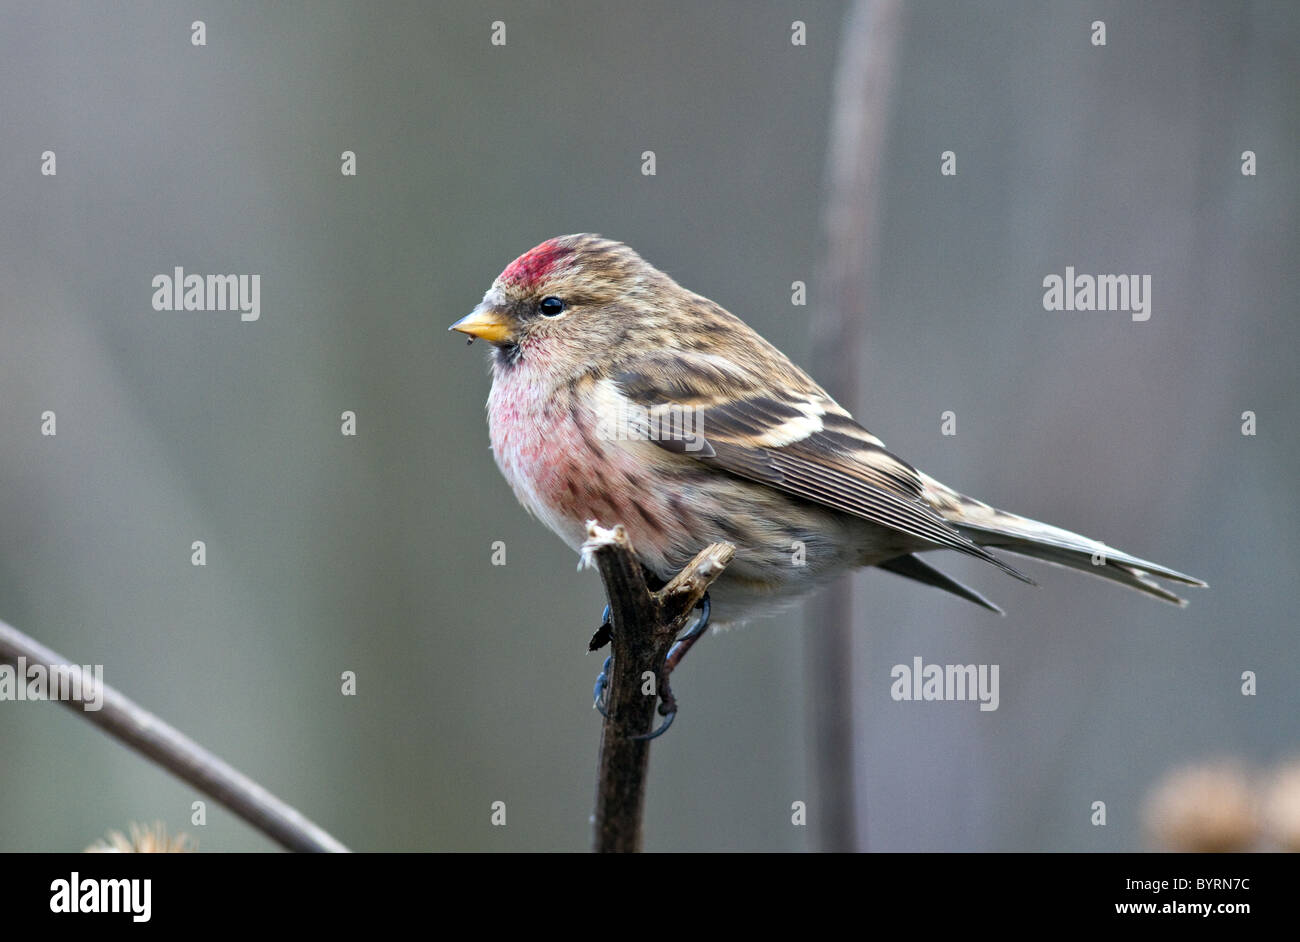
(372, 553)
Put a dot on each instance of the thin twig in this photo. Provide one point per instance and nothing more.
(860, 116)
(173, 750)
(644, 624)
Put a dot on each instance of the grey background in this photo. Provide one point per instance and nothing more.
(372, 554)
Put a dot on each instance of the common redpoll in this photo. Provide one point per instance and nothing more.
(619, 396)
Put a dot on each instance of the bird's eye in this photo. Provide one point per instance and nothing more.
(551, 307)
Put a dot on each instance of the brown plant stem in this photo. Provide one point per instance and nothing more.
(644, 625)
(135, 726)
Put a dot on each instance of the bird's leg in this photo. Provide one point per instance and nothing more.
(667, 701)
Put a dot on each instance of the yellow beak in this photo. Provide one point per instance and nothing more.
(484, 323)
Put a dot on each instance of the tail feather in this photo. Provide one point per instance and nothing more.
(988, 526)
(911, 567)
(1085, 555)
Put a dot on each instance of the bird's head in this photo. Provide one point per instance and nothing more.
(569, 299)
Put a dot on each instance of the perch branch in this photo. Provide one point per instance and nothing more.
(174, 751)
(644, 625)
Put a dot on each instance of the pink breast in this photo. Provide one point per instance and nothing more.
(563, 472)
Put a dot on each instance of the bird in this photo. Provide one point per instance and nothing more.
(622, 397)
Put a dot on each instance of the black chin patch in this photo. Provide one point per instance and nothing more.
(507, 354)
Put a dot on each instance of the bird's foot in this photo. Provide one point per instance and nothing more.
(601, 689)
(667, 701)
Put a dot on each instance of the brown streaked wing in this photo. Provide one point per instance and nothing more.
(804, 445)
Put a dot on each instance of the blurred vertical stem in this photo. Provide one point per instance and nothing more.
(859, 121)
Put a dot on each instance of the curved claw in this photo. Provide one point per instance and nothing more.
(663, 728)
(701, 622)
(602, 682)
(692, 634)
